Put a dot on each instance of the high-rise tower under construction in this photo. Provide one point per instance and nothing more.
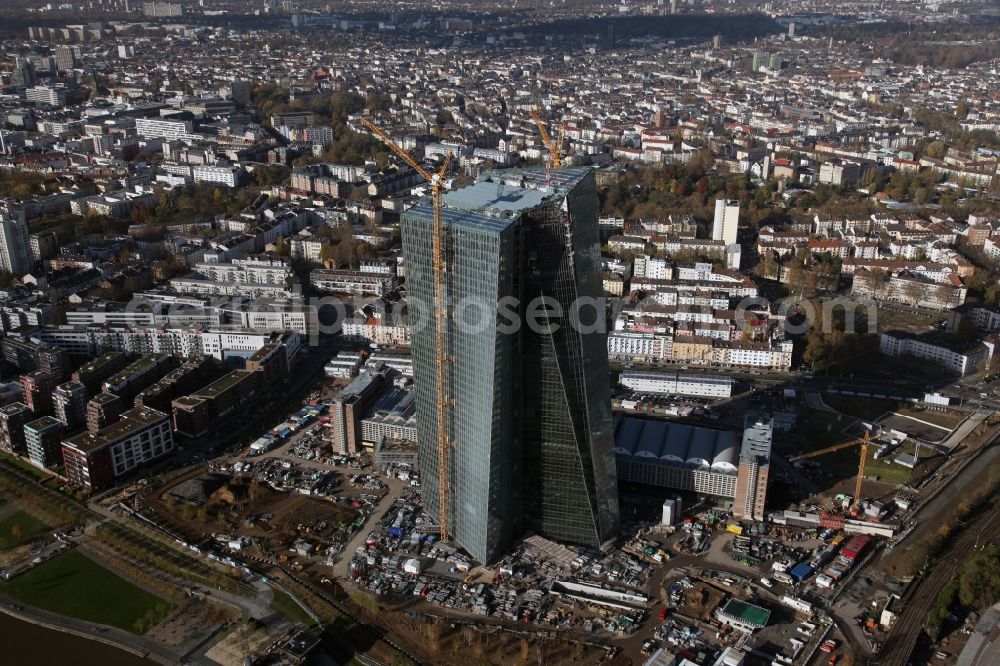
(529, 414)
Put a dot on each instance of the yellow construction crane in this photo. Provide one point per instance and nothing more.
(554, 147)
(863, 443)
(440, 315)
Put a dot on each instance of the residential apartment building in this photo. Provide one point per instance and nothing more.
(46, 95)
(348, 407)
(15, 247)
(43, 439)
(957, 360)
(673, 383)
(754, 468)
(70, 404)
(161, 128)
(725, 224)
(97, 460)
(12, 420)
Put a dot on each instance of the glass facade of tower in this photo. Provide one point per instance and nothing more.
(570, 479)
(529, 411)
(479, 375)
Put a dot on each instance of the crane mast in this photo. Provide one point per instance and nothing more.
(863, 459)
(550, 145)
(443, 402)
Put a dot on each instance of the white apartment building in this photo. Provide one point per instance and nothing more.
(656, 268)
(88, 342)
(309, 247)
(162, 128)
(230, 176)
(727, 220)
(777, 358)
(248, 270)
(194, 285)
(958, 361)
(673, 383)
(648, 347)
(46, 95)
(15, 246)
(991, 248)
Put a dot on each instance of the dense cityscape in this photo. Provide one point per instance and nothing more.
(577, 332)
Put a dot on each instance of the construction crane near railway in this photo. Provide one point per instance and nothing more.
(554, 158)
(862, 459)
(443, 401)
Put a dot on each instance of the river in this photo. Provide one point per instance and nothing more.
(27, 644)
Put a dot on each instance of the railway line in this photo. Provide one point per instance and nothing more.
(902, 639)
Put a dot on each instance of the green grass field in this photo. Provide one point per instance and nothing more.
(74, 585)
(14, 461)
(289, 609)
(18, 528)
(863, 408)
(818, 430)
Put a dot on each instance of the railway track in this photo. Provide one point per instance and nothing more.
(902, 638)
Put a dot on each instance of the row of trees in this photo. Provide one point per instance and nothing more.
(57, 512)
(25, 184)
(137, 548)
(976, 585)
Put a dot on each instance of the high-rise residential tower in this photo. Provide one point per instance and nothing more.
(755, 462)
(15, 248)
(727, 220)
(528, 413)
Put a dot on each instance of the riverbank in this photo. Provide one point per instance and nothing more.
(35, 636)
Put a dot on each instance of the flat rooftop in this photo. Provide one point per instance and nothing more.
(104, 398)
(757, 442)
(43, 423)
(135, 368)
(752, 615)
(491, 203)
(14, 408)
(494, 198)
(99, 362)
(133, 420)
(559, 180)
(222, 385)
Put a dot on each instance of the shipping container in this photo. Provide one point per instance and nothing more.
(800, 572)
(856, 547)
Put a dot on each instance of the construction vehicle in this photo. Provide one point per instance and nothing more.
(440, 316)
(830, 520)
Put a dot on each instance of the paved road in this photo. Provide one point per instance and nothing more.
(396, 488)
(963, 430)
(815, 401)
(983, 649)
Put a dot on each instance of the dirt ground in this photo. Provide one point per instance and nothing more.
(191, 622)
(229, 508)
(701, 600)
(450, 643)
